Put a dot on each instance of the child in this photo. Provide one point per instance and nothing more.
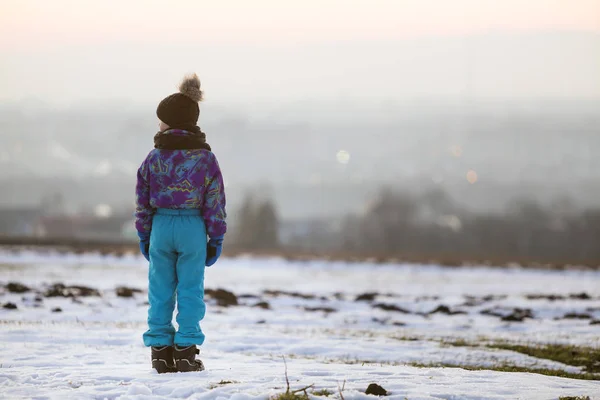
(180, 199)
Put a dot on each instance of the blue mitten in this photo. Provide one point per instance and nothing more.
(145, 245)
(213, 250)
(145, 249)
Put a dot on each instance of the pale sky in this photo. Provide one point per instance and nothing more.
(48, 48)
(37, 23)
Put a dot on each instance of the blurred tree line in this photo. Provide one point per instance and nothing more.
(258, 225)
(432, 225)
(398, 224)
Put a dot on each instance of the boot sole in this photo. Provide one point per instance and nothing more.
(185, 366)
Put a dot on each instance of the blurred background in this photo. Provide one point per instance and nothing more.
(446, 130)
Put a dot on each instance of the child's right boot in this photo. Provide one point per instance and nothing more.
(162, 359)
(185, 359)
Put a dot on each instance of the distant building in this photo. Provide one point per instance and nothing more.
(22, 221)
(86, 226)
(310, 233)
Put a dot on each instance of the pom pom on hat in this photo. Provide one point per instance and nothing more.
(190, 87)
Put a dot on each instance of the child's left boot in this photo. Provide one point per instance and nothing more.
(162, 359)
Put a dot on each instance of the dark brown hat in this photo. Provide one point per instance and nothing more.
(180, 110)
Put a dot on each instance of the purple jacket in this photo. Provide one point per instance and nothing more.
(181, 179)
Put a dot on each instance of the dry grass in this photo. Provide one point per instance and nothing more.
(123, 247)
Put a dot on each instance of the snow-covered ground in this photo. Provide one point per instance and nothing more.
(92, 349)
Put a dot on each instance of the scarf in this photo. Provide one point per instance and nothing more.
(181, 139)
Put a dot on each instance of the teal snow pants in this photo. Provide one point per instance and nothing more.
(177, 262)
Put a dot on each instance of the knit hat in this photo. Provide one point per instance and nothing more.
(180, 110)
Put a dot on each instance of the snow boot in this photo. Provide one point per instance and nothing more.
(162, 359)
(185, 359)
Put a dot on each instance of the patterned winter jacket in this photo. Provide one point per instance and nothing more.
(181, 179)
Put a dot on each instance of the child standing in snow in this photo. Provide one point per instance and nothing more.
(180, 200)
